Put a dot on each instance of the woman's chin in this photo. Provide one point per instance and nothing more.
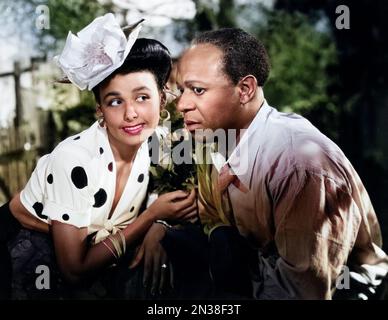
(137, 140)
(133, 139)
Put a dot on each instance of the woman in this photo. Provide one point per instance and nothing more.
(93, 184)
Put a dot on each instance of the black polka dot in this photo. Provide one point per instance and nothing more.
(149, 139)
(99, 198)
(77, 138)
(133, 208)
(79, 177)
(101, 150)
(50, 178)
(65, 217)
(38, 207)
(110, 166)
(141, 177)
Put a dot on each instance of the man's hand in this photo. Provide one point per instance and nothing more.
(156, 265)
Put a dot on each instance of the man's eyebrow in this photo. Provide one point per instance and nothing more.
(111, 93)
(191, 82)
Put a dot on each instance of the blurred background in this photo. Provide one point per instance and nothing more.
(328, 64)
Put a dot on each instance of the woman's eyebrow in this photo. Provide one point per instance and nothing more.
(112, 93)
(140, 88)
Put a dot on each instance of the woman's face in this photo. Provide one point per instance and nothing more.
(130, 104)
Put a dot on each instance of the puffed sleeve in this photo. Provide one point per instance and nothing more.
(68, 194)
(316, 221)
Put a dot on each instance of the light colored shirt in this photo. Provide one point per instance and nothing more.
(305, 197)
(76, 183)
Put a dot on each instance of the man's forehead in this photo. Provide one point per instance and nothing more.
(201, 52)
(202, 60)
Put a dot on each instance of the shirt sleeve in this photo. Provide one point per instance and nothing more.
(68, 196)
(316, 222)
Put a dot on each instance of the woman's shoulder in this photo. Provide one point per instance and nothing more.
(82, 146)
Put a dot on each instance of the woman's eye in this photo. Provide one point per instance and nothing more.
(141, 98)
(115, 102)
(198, 91)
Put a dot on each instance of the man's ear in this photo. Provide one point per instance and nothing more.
(248, 87)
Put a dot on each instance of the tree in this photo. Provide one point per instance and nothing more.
(300, 58)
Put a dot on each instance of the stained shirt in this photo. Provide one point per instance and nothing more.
(302, 197)
(75, 184)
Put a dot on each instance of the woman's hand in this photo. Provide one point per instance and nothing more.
(175, 205)
(157, 270)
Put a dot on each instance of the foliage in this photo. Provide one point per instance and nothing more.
(172, 178)
(77, 118)
(300, 58)
(68, 15)
(167, 177)
(303, 56)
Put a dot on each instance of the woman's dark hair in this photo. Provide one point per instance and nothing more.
(145, 55)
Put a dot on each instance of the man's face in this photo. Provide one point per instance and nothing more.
(209, 99)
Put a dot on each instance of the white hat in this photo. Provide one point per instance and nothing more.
(97, 50)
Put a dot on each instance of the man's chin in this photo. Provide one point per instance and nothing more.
(207, 135)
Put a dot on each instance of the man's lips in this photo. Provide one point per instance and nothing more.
(133, 130)
(191, 125)
(190, 122)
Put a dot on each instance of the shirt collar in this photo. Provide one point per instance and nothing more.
(242, 158)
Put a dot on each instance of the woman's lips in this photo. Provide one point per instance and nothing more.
(133, 130)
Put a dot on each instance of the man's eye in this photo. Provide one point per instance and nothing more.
(198, 91)
(141, 98)
(114, 102)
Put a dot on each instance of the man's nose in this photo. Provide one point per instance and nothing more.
(184, 103)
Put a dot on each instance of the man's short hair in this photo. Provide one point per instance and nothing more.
(243, 54)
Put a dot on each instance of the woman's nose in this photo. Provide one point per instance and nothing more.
(130, 113)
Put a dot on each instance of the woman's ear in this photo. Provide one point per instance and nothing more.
(163, 100)
(100, 116)
(248, 87)
(98, 110)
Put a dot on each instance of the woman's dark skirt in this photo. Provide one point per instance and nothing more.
(28, 269)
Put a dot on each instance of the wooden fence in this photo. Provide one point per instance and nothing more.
(20, 150)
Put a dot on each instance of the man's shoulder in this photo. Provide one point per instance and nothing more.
(291, 131)
(286, 126)
(290, 141)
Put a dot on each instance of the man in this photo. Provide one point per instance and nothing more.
(286, 192)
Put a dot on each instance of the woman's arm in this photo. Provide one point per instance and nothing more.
(76, 260)
(25, 218)
(74, 257)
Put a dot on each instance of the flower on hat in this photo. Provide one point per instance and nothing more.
(96, 51)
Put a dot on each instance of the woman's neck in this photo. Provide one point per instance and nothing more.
(122, 152)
